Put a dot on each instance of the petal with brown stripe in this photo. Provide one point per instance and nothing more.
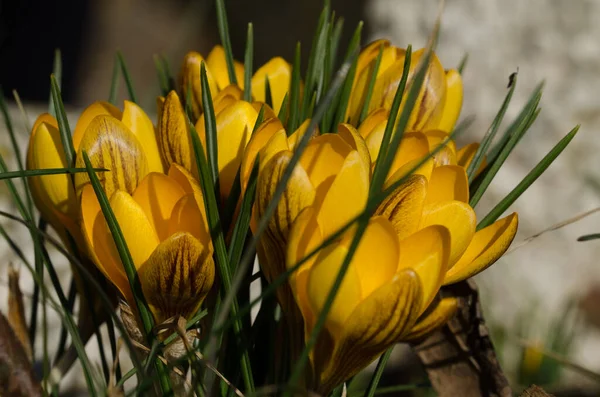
(177, 277)
(111, 145)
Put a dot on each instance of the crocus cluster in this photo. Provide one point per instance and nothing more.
(418, 238)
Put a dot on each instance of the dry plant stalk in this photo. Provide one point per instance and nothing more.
(460, 359)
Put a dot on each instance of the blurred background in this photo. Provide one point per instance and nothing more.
(545, 294)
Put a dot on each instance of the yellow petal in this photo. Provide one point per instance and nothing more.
(433, 319)
(188, 216)
(190, 76)
(279, 73)
(276, 144)
(226, 97)
(429, 105)
(370, 52)
(217, 64)
(414, 146)
(453, 102)
(379, 248)
(54, 195)
(487, 246)
(99, 243)
(355, 140)
(320, 281)
(466, 154)
(111, 145)
(174, 139)
(140, 124)
(414, 167)
(427, 253)
(299, 194)
(448, 182)
(95, 109)
(374, 118)
(323, 158)
(345, 198)
(184, 178)
(439, 137)
(304, 237)
(157, 194)
(259, 140)
(297, 135)
(137, 230)
(404, 206)
(374, 326)
(459, 218)
(177, 277)
(269, 112)
(234, 129)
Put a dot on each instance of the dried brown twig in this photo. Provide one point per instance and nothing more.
(460, 359)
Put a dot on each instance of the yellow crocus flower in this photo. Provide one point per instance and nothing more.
(277, 71)
(439, 101)
(234, 121)
(328, 167)
(164, 224)
(123, 142)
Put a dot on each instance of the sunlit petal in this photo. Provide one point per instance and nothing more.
(459, 218)
(157, 194)
(453, 102)
(111, 145)
(433, 319)
(427, 253)
(99, 108)
(279, 74)
(140, 124)
(448, 182)
(487, 246)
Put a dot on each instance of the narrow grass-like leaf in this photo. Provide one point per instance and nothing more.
(130, 270)
(389, 127)
(127, 77)
(481, 184)
(346, 91)
(63, 123)
(332, 50)
(387, 158)
(45, 171)
(531, 177)
(285, 106)
(57, 72)
(212, 212)
(242, 224)
(210, 126)
(463, 63)
(24, 116)
(374, 382)
(589, 237)
(236, 190)
(114, 81)
(248, 61)
(315, 59)
(163, 80)
(15, 147)
(268, 92)
(491, 132)
(534, 98)
(369, 92)
(293, 120)
(62, 340)
(225, 39)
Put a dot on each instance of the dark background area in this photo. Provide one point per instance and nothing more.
(88, 32)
